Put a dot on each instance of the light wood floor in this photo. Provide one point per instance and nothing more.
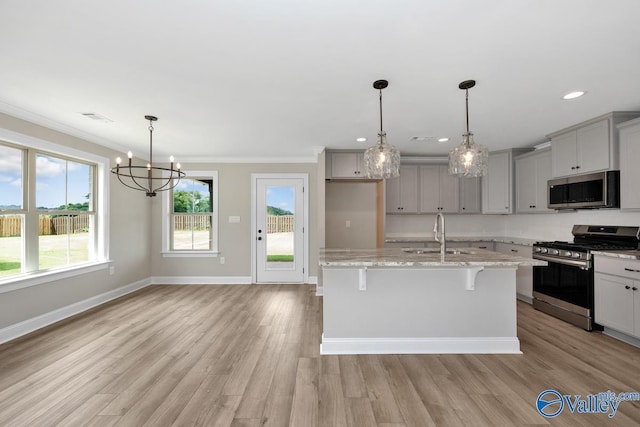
(248, 356)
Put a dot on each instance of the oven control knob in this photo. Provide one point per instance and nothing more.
(576, 255)
(537, 250)
(566, 253)
(544, 250)
(554, 252)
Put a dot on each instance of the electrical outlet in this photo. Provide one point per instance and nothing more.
(112, 270)
(348, 224)
(221, 260)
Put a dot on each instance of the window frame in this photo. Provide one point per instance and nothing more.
(32, 276)
(167, 215)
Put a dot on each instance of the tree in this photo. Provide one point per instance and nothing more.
(272, 210)
(190, 201)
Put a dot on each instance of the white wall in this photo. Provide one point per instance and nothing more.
(234, 238)
(130, 217)
(354, 202)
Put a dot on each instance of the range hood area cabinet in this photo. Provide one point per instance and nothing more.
(498, 189)
(629, 133)
(590, 146)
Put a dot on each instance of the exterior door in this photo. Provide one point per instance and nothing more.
(279, 226)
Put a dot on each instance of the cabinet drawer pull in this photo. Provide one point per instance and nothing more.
(631, 270)
(514, 250)
(627, 287)
(634, 288)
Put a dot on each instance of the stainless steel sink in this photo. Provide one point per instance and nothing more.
(437, 251)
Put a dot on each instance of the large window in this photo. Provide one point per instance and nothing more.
(191, 225)
(49, 209)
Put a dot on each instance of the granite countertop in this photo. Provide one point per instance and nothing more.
(396, 257)
(514, 240)
(627, 254)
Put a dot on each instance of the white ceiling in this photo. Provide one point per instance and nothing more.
(277, 79)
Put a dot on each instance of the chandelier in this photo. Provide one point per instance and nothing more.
(468, 160)
(382, 160)
(149, 178)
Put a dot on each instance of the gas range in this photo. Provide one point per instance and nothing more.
(587, 238)
(564, 288)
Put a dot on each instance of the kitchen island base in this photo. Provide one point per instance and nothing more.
(419, 310)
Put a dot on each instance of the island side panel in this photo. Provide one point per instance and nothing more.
(419, 310)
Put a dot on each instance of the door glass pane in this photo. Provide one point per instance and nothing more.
(10, 244)
(280, 223)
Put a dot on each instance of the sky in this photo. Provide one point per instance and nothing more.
(281, 197)
(53, 175)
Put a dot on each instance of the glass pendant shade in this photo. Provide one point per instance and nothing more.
(382, 161)
(468, 160)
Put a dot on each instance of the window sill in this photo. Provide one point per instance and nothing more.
(33, 279)
(190, 254)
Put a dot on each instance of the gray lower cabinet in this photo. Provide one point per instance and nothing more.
(524, 274)
(617, 294)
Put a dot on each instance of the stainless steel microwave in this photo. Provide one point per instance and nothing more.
(589, 191)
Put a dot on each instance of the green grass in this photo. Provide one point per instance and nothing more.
(279, 258)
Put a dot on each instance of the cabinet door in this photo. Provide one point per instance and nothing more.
(347, 165)
(526, 187)
(409, 188)
(449, 191)
(629, 171)
(543, 174)
(402, 192)
(593, 147)
(636, 310)
(392, 195)
(613, 302)
(430, 188)
(496, 185)
(469, 195)
(524, 274)
(564, 154)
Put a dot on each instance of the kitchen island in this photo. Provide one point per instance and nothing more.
(381, 301)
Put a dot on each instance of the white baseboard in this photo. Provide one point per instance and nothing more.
(201, 280)
(312, 280)
(445, 345)
(27, 326)
(525, 298)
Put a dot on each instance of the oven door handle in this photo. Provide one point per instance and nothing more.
(576, 263)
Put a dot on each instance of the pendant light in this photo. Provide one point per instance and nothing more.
(468, 160)
(382, 160)
(149, 178)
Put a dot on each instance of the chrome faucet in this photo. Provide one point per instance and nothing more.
(438, 229)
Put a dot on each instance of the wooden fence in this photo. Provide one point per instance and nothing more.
(280, 223)
(191, 222)
(10, 225)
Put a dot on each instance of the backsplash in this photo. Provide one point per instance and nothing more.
(553, 226)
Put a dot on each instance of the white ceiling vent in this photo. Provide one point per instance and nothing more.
(422, 139)
(97, 117)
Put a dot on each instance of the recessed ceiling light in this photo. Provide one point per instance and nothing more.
(361, 139)
(573, 95)
(443, 140)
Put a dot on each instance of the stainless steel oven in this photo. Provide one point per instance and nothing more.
(564, 288)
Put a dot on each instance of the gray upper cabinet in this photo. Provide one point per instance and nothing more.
(629, 133)
(533, 170)
(590, 146)
(470, 200)
(402, 192)
(346, 165)
(497, 185)
(439, 191)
